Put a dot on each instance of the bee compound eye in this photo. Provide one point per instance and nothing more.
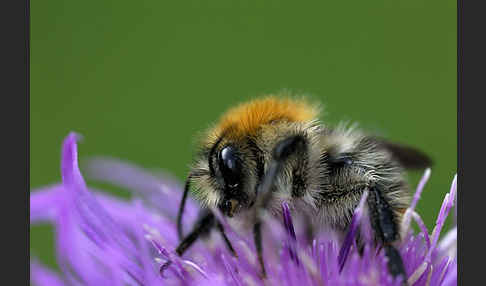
(228, 157)
(229, 166)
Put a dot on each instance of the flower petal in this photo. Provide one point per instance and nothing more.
(408, 213)
(155, 191)
(350, 236)
(42, 276)
(102, 240)
(44, 204)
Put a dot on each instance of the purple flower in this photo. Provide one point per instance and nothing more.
(103, 240)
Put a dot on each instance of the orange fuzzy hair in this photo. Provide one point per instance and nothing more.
(245, 119)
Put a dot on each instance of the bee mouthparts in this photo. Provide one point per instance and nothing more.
(233, 205)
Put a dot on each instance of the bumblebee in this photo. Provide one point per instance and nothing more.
(275, 149)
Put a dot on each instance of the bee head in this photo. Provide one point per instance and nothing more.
(223, 177)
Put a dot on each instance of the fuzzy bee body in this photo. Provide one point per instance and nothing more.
(275, 149)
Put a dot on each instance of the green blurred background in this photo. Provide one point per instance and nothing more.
(138, 79)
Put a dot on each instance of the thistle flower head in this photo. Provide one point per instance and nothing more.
(103, 240)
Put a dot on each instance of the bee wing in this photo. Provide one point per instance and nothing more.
(409, 157)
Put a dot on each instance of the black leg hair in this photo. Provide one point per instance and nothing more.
(281, 153)
(386, 230)
(226, 240)
(181, 207)
(257, 237)
(202, 227)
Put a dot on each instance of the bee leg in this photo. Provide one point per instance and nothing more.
(226, 240)
(281, 152)
(181, 212)
(384, 223)
(181, 207)
(202, 227)
(257, 237)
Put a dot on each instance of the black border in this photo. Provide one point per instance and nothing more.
(470, 120)
(15, 210)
